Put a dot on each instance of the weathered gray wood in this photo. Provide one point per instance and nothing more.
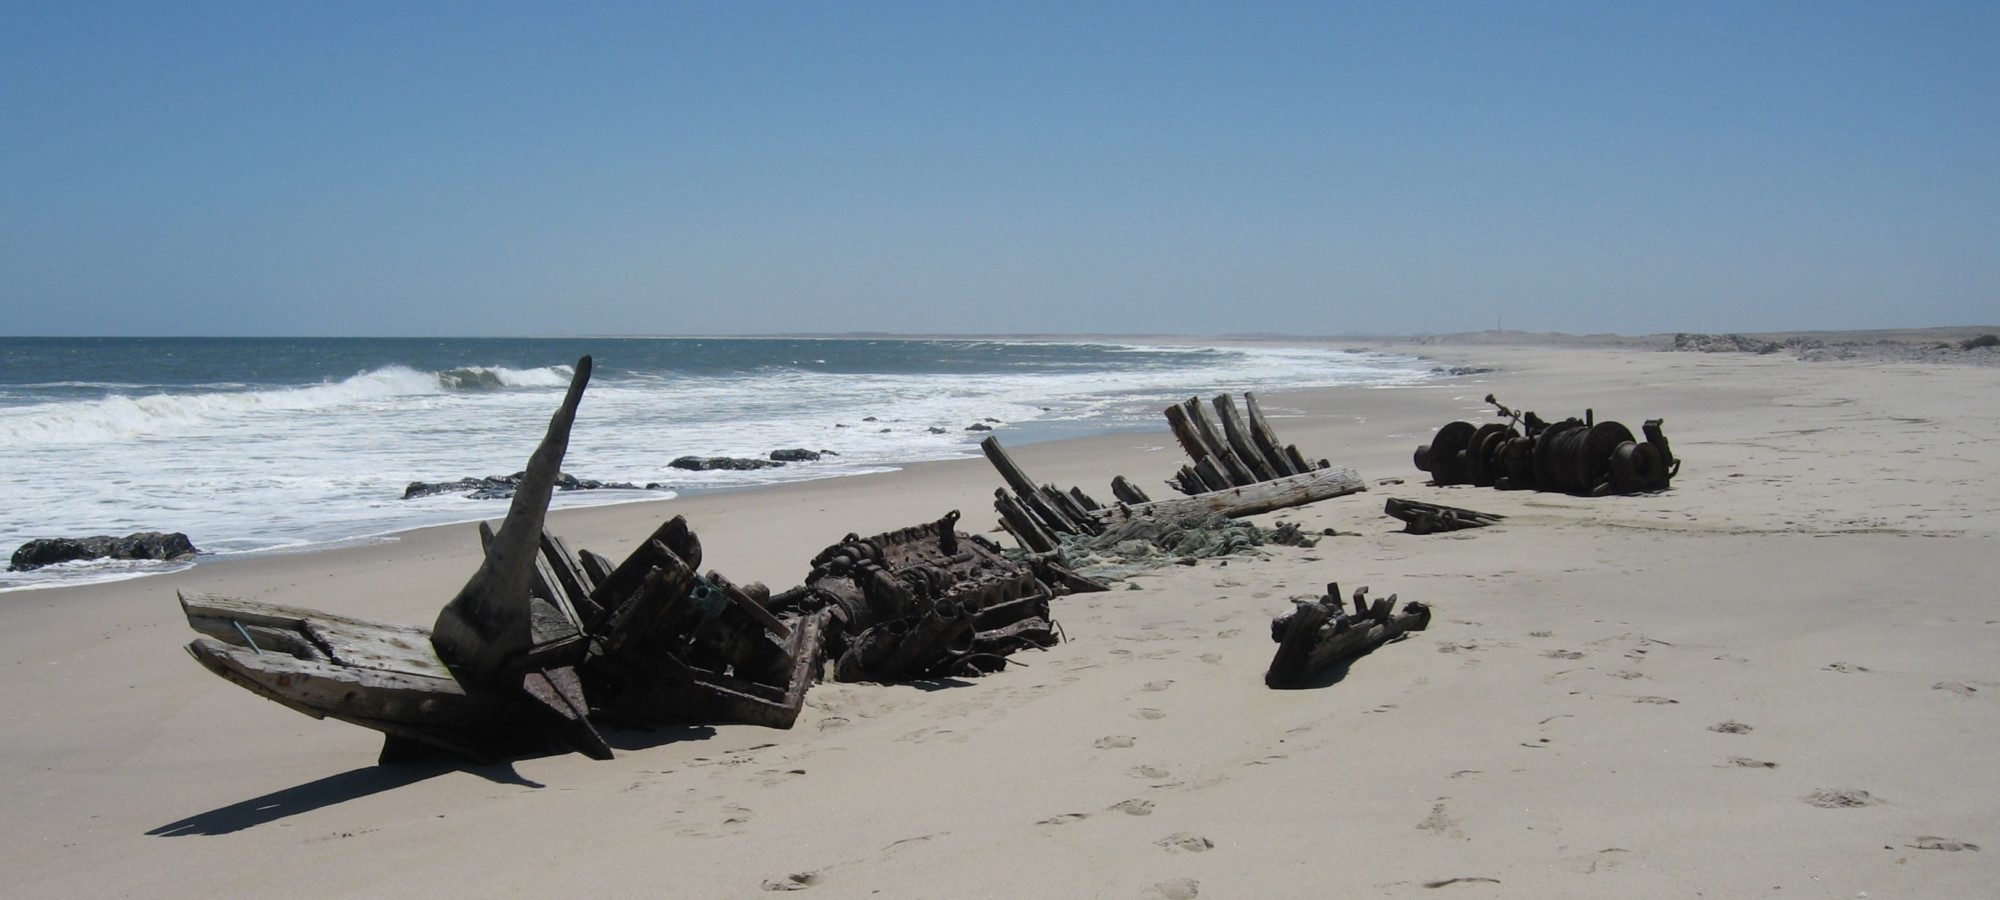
(1299, 460)
(1026, 530)
(1224, 457)
(332, 638)
(1266, 439)
(1127, 492)
(484, 629)
(1083, 500)
(1294, 490)
(1313, 641)
(1237, 434)
(1009, 470)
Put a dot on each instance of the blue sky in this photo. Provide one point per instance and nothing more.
(1315, 168)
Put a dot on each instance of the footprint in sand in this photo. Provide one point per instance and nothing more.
(1731, 727)
(1963, 690)
(1132, 807)
(1748, 763)
(1603, 860)
(831, 722)
(1842, 799)
(1157, 686)
(779, 776)
(1441, 824)
(1663, 701)
(1178, 889)
(1562, 654)
(1183, 842)
(1064, 819)
(1147, 772)
(1115, 742)
(1148, 712)
(1628, 676)
(1211, 658)
(1932, 842)
(1845, 667)
(797, 881)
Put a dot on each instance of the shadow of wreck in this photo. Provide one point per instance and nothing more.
(325, 792)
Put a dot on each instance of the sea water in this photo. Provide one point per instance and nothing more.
(255, 445)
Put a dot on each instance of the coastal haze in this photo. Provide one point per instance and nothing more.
(1305, 168)
(263, 266)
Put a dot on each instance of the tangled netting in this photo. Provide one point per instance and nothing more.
(1139, 545)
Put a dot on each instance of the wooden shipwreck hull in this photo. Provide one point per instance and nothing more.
(538, 642)
(1239, 468)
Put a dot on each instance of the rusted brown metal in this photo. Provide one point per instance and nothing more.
(926, 602)
(1581, 456)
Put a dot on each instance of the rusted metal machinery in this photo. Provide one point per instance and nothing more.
(1239, 468)
(1578, 456)
(1318, 634)
(537, 643)
(925, 602)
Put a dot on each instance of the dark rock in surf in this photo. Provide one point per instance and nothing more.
(799, 454)
(728, 463)
(141, 545)
(979, 426)
(501, 487)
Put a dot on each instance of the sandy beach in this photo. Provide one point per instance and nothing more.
(1776, 679)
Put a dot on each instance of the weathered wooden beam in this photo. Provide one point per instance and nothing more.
(1237, 434)
(484, 629)
(1282, 493)
(1224, 457)
(1427, 518)
(1268, 445)
(1026, 530)
(1127, 492)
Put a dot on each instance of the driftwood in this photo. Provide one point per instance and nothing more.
(1318, 634)
(1238, 468)
(927, 601)
(1578, 456)
(537, 643)
(1428, 518)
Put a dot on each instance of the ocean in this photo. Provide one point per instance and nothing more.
(261, 445)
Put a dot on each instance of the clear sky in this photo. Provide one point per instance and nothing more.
(430, 168)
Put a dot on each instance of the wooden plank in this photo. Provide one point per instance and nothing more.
(1266, 439)
(1010, 471)
(1225, 458)
(1015, 518)
(1283, 493)
(1237, 434)
(1127, 492)
(486, 625)
(1184, 432)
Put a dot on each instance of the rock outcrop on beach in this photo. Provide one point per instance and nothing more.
(725, 463)
(501, 487)
(799, 454)
(153, 545)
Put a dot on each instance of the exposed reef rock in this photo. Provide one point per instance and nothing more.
(153, 545)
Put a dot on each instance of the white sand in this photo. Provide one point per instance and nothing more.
(1821, 576)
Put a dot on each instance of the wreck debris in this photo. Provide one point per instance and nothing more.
(1317, 634)
(926, 602)
(1577, 456)
(1428, 518)
(537, 642)
(1239, 468)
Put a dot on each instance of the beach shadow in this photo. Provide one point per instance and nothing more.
(648, 738)
(328, 791)
(1333, 674)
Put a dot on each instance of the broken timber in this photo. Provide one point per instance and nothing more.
(1428, 518)
(1318, 634)
(1239, 468)
(537, 642)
